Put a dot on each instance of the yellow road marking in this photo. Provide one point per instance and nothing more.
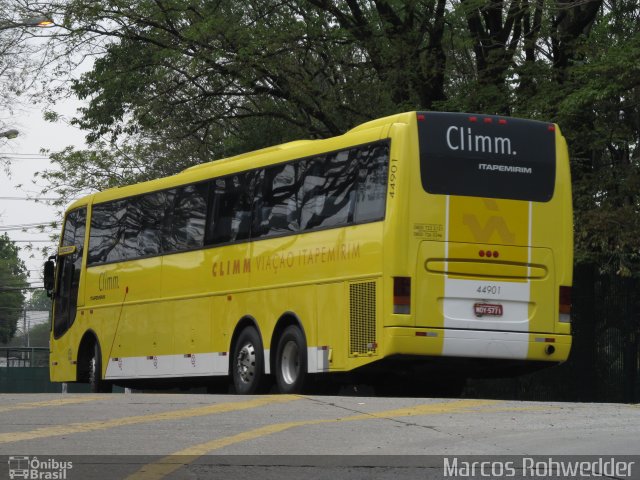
(171, 463)
(155, 417)
(49, 403)
(459, 406)
(532, 408)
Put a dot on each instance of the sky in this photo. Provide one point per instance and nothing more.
(35, 134)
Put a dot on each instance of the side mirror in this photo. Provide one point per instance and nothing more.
(48, 276)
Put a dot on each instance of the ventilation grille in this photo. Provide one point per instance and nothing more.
(362, 316)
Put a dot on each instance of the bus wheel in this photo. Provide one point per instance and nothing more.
(96, 383)
(291, 361)
(248, 362)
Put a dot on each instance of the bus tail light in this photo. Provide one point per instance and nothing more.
(565, 304)
(402, 295)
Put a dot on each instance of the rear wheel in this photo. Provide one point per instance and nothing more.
(96, 383)
(247, 368)
(291, 361)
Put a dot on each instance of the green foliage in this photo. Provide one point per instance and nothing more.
(179, 82)
(600, 114)
(38, 337)
(39, 301)
(13, 278)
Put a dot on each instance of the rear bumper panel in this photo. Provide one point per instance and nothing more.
(476, 344)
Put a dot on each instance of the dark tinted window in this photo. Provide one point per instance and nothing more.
(373, 162)
(483, 156)
(230, 208)
(328, 190)
(106, 238)
(331, 190)
(127, 229)
(186, 224)
(276, 204)
(143, 225)
(69, 270)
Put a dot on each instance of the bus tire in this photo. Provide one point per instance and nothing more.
(247, 363)
(291, 361)
(96, 383)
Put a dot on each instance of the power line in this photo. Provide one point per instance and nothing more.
(14, 289)
(34, 241)
(26, 225)
(41, 222)
(32, 199)
(24, 154)
(20, 159)
(39, 229)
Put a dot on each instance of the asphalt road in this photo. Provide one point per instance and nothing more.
(185, 436)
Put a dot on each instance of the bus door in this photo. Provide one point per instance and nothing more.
(69, 270)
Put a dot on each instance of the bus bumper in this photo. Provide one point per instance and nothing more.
(476, 344)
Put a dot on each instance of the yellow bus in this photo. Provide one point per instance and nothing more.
(425, 239)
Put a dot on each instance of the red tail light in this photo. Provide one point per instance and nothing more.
(565, 304)
(402, 295)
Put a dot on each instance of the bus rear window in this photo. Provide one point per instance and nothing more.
(486, 156)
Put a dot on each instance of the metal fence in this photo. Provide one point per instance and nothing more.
(26, 370)
(24, 357)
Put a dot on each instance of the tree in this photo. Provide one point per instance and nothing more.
(183, 82)
(38, 337)
(179, 82)
(13, 280)
(20, 62)
(600, 113)
(39, 301)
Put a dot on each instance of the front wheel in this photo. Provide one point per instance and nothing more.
(291, 361)
(96, 383)
(247, 368)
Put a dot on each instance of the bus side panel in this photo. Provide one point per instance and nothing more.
(186, 309)
(332, 311)
(127, 293)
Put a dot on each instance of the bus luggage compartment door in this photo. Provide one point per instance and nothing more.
(485, 287)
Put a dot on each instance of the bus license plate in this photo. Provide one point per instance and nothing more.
(487, 310)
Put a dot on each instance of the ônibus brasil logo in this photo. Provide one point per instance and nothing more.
(36, 469)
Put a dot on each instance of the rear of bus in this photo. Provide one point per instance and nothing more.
(484, 215)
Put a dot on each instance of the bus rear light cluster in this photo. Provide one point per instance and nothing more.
(402, 295)
(489, 253)
(565, 304)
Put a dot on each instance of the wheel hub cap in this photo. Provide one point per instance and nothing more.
(246, 363)
(290, 363)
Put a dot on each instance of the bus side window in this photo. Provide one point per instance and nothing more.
(371, 195)
(107, 232)
(230, 218)
(143, 225)
(69, 270)
(276, 202)
(186, 222)
(329, 190)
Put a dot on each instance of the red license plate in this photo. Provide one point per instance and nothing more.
(487, 310)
